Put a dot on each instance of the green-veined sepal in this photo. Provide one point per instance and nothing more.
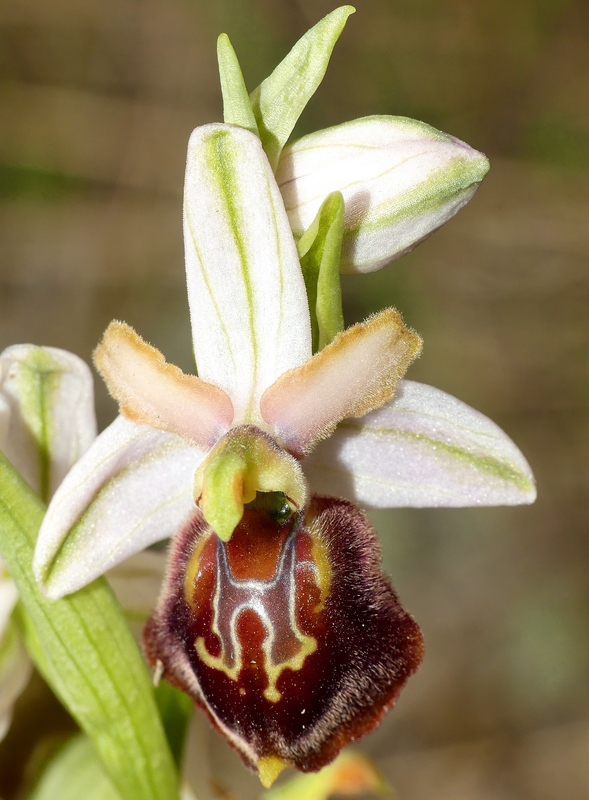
(131, 489)
(248, 306)
(49, 421)
(423, 448)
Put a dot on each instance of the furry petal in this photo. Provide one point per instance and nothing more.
(355, 373)
(152, 392)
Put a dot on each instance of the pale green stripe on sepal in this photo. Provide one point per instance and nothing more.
(400, 179)
(279, 101)
(237, 109)
(38, 385)
(75, 772)
(319, 250)
(84, 649)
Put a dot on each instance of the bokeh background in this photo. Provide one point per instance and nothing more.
(97, 100)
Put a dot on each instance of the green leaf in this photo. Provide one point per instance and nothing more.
(175, 709)
(279, 100)
(237, 109)
(319, 250)
(84, 649)
(74, 773)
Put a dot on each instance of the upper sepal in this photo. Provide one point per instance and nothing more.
(400, 179)
(289, 636)
(248, 305)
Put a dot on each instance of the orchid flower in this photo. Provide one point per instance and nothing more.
(275, 616)
(46, 423)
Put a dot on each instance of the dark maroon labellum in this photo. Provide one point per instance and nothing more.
(289, 636)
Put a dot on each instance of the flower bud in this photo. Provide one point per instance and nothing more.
(400, 179)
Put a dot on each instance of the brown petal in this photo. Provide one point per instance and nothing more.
(289, 636)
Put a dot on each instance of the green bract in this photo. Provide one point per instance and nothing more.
(400, 179)
(82, 645)
(320, 250)
(279, 101)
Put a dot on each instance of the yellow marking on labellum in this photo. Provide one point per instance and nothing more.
(285, 646)
(269, 768)
(192, 571)
(321, 562)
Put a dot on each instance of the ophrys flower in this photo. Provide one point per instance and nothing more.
(275, 616)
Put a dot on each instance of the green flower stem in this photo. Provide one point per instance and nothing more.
(84, 649)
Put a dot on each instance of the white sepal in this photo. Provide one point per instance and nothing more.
(248, 305)
(51, 420)
(424, 448)
(15, 671)
(400, 179)
(131, 489)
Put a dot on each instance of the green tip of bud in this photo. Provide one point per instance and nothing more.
(247, 467)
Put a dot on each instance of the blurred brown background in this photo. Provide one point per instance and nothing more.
(97, 100)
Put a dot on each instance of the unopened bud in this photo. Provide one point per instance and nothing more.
(400, 179)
